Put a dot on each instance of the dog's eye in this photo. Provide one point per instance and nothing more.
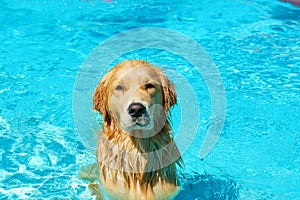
(119, 87)
(149, 86)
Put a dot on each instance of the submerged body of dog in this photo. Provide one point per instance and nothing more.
(136, 153)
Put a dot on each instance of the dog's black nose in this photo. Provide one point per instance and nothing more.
(136, 110)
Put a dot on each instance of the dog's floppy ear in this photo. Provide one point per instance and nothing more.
(169, 93)
(100, 98)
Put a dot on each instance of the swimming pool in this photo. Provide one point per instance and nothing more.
(254, 44)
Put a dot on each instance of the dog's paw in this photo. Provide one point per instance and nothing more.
(89, 172)
(95, 190)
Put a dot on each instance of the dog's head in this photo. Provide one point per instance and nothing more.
(134, 95)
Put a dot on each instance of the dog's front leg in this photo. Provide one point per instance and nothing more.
(91, 173)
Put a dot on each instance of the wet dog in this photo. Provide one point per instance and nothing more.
(136, 154)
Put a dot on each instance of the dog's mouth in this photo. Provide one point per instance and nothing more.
(140, 122)
(138, 114)
(139, 117)
(143, 121)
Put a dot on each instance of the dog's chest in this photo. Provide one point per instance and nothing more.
(121, 170)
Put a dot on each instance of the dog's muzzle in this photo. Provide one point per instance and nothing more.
(138, 113)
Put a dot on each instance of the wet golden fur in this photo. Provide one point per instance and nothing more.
(136, 167)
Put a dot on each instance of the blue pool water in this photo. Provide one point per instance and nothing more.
(255, 45)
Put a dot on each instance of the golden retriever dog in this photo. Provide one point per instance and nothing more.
(136, 154)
